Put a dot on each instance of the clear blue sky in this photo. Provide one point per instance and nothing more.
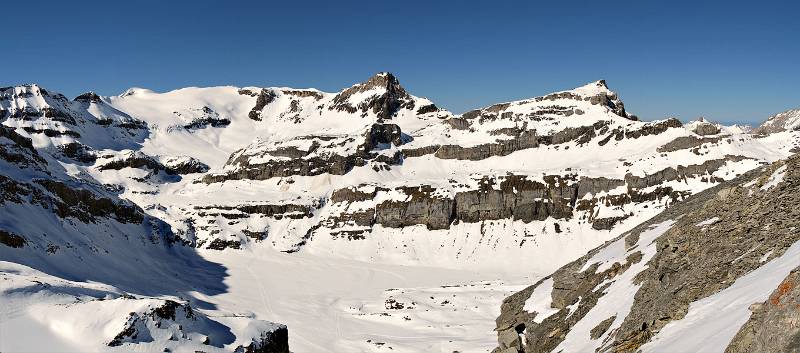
(728, 60)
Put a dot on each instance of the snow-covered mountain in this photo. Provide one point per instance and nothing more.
(116, 204)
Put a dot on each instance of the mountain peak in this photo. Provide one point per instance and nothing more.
(385, 80)
(381, 93)
(599, 93)
(88, 97)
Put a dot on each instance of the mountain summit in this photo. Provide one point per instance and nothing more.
(381, 94)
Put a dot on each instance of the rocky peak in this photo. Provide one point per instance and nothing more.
(601, 84)
(598, 93)
(389, 96)
(88, 97)
(384, 80)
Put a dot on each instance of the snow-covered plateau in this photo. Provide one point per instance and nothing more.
(249, 219)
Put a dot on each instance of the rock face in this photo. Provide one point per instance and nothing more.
(773, 327)
(513, 197)
(138, 160)
(706, 243)
(324, 155)
(275, 341)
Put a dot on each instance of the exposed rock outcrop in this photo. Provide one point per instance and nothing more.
(263, 98)
(324, 155)
(704, 128)
(179, 321)
(12, 240)
(172, 165)
(85, 205)
(647, 129)
(88, 97)
(687, 142)
(207, 117)
(273, 341)
(19, 150)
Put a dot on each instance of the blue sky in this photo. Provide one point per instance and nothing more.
(728, 60)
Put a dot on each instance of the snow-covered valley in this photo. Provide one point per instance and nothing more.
(332, 305)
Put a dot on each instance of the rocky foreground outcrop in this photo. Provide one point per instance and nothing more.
(703, 246)
(168, 322)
